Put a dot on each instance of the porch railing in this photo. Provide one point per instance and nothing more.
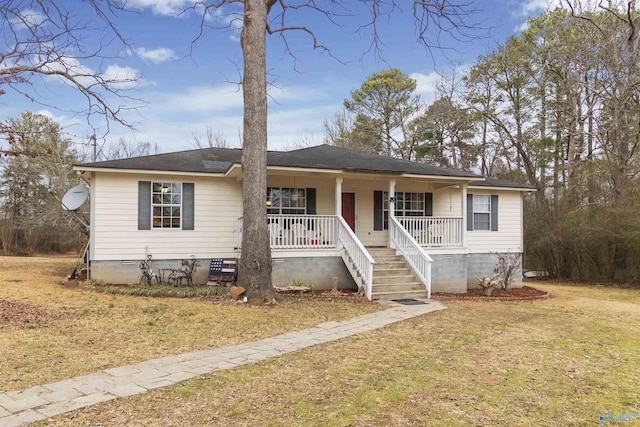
(302, 231)
(434, 232)
(419, 261)
(356, 257)
(299, 231)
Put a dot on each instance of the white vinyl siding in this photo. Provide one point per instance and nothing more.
(447, 202)
(508, 238)
(217, 207)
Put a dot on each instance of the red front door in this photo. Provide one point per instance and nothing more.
(349, 209)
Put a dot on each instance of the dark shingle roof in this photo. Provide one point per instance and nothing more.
(219, 160)
(205, 160)
(331, 157)
(492, 182)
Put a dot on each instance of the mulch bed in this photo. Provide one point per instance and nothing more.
(524, 293)
(342, 295)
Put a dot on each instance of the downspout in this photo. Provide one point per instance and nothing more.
(463, 193)
(92, 222)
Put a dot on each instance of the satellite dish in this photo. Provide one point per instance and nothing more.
(75, 197)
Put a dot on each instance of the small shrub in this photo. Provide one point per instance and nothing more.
(506, 268)
(164, 291)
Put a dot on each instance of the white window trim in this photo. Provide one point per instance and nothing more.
(170, 205)
(400, 211)
(487, 212)
(300, 210)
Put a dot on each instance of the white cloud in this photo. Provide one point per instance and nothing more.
(426, 85)
(161, 54)
(123, 77)
(115, 76)
(533, 7)
(289, 127)
(294, 93)
(28, 18)
(224, 97)
(70, 65)
(162, 7)
(201, 99)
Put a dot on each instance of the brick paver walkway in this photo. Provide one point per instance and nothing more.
(41, 402)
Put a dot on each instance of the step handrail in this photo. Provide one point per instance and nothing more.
(419, 261)
(358, 254)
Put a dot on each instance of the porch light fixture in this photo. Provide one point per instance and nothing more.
(269, 203)
(392, 199)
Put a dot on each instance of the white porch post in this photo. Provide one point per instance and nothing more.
(463, 194)
(338, 196)
(392, 207)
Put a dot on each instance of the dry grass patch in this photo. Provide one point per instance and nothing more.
(72, 332)
(560, 361)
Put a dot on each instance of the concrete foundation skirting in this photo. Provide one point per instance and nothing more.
(482, 265)
(316, 271)
(458, 272)
(128, 271)
(449, 272)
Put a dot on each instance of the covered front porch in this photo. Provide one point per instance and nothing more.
(310, 216)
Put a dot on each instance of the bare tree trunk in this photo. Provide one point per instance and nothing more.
(254, 267)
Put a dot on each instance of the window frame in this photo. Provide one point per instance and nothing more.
(400, 205)
(280, 200)
(485, 213)
(167, 221)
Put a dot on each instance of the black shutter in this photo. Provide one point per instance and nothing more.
(144, 205)
(311, 201)
(187, 206)
(469, 212)
(494, 212)
(377, 210)
(428, 204)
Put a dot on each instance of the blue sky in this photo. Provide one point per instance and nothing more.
(188, 87)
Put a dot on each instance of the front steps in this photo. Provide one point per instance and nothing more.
(392, 279)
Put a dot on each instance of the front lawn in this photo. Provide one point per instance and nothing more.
(564, 361)
(49, 332)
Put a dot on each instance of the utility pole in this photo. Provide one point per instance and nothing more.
(94, 144)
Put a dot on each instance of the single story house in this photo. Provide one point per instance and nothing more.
(394, 227)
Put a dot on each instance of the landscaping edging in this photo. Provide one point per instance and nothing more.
(526, 293)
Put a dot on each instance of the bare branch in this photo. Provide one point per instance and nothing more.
(45, 38)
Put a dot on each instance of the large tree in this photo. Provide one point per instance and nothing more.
(384, 106)
(33, 219)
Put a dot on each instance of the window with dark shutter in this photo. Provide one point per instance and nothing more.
(165, 205)
(377, 211)
(482, 212)
(144, 205)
